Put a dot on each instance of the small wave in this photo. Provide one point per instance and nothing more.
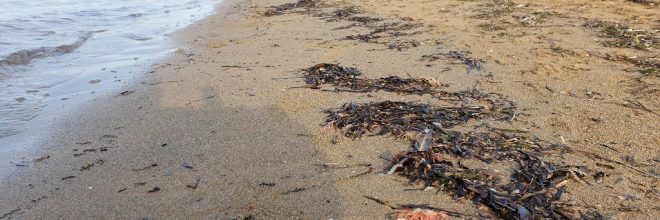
(23, 57)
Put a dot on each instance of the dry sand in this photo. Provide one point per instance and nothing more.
(218, 131)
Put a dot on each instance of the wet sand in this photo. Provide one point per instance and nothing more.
(221, 129)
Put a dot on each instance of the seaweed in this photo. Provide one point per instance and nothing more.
(346, 79)
(646, 66)
(387, 30)
(496, 9)
(402, 45)
(624, 36)
(493, 26)
(326, 73)
(281, 9)
(531, 189)
(471, 63)
(645, 2)
(402, 119)
(462, 56)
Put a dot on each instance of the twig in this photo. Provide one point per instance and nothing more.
(618, 162)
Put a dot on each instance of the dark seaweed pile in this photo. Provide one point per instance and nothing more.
(531, 190)
(326, 73)
(534, 188)
(401, 118)
(281, 9)
(346, 79)
(645, 2)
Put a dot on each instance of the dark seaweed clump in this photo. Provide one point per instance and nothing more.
(326, 73)
(280, 9)
(345, 79)
(402, 119)
(645, 2)
(533, 190)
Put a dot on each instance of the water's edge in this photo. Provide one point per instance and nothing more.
(64, 99)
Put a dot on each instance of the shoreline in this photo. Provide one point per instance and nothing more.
(226, 128)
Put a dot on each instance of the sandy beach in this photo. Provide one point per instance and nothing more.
(228, 128)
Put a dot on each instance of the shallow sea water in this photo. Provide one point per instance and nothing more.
(45, 45)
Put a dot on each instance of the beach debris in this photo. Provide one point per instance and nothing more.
(122, 190)
(419, 214)
(634, 104)
(647, 66)
(187, 165)
(425, 141)
(153, 190)
(298, 189)
(533, 190)
(268, 184)
(346, 79)
(195, 185)
(127, 92)
(145, 168)
(402, 45)
(10, 213)
(622, 35)
(497, 8)
(645, 2)
(344, 13)
(599, 176)
(411, 207)
(629, 197)
(41, 159)
(68, 177)
(494, 26)
(364, 19)
(88, 166)
(462, 56)
(402, 118)
(471, 63)
(281, 9)
(389, 30)
(95, 81)
(326, 73)
(528, 193)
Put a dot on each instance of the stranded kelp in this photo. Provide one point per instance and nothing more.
(622, 35)
(462, 56)
(326, 73)
(533, 190)
(403, 119)
(281, 9)
(646, 2)
(346, 79)
(388, 30)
